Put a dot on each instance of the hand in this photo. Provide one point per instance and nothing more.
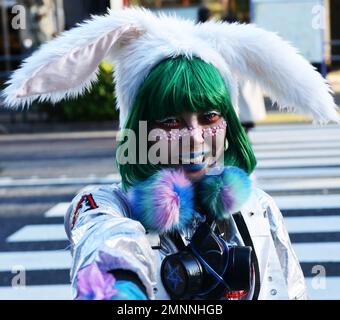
(127, 290)
(94, 284)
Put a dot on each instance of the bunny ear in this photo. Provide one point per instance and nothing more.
(263, 57)
(68, 65)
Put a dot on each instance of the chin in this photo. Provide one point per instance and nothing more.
(195, 175)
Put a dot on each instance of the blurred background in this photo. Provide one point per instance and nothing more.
(50, 153)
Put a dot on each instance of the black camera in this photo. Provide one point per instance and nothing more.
(207, 268)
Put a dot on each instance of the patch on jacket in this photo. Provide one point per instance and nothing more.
(86, 203)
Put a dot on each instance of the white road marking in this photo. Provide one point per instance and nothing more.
(37, 292)
(279, 154)
(291, 202)
(299, 184)
(311, 224)
(43, 232)
(59, 210)
(290, 127)
(325, 288)
(318, 251)
(292, 173)
(35, 260)
(34, 182)
(288, 146)
(291, 163)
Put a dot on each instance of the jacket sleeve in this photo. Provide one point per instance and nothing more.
(290, 265)
(100, 231)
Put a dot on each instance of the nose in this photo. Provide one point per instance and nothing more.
(196, 131)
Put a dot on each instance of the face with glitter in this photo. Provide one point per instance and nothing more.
(193, 140)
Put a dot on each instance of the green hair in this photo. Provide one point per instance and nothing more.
(177, 85)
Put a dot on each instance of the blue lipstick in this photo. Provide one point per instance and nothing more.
(194, 167)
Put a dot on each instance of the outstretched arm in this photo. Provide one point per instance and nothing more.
(104, 243)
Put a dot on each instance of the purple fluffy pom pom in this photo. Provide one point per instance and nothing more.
(164, 201)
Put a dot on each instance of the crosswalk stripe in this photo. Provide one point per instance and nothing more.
(296, 154)
(301, 184)
(313, 224)
(59, 210)
(43, 232)
(298, 162)
(330, 290)
(289, 173)
(294, 136)
(291, 127)
(318, 252)
(56, 232)
(291, 202)
(35, 260)
(292, 139)
(316, 291)
(310, 132)
(36, 292)
(324, 146)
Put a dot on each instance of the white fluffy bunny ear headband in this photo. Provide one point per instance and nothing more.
(136, 40)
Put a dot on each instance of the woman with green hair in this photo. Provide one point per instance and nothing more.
(180, 86)
(185, 221)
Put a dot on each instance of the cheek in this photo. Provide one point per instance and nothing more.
(174, 151)
(216, 143)
(220, 142)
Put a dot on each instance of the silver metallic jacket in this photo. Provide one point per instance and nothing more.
(100, 230)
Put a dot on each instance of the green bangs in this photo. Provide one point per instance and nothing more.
(178, 85)
(182, 85)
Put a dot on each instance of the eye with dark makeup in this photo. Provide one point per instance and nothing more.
(169, 123)
(176, 122)
(210, 117)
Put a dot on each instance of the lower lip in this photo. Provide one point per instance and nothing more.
(194, 167)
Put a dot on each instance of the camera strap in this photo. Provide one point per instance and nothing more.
(243, 229)
(177, 239)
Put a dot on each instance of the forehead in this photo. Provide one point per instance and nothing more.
(182, 108)
(190, 114)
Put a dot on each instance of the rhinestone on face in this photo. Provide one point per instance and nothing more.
(210, 131)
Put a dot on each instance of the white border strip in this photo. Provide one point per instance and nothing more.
(37, 292)
(318, 252)
(323, 288)
(312, 152)
(35, 182)
(296, 173)
(300, 184)
(325, 146)
(291, 202)
(59, 210)
(40, 232)
(311, 224)
(35, 260)
(291, 163)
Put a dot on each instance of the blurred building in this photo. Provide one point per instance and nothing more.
(44, 19)
(26, 24)
(78, 10)
(335, 31)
